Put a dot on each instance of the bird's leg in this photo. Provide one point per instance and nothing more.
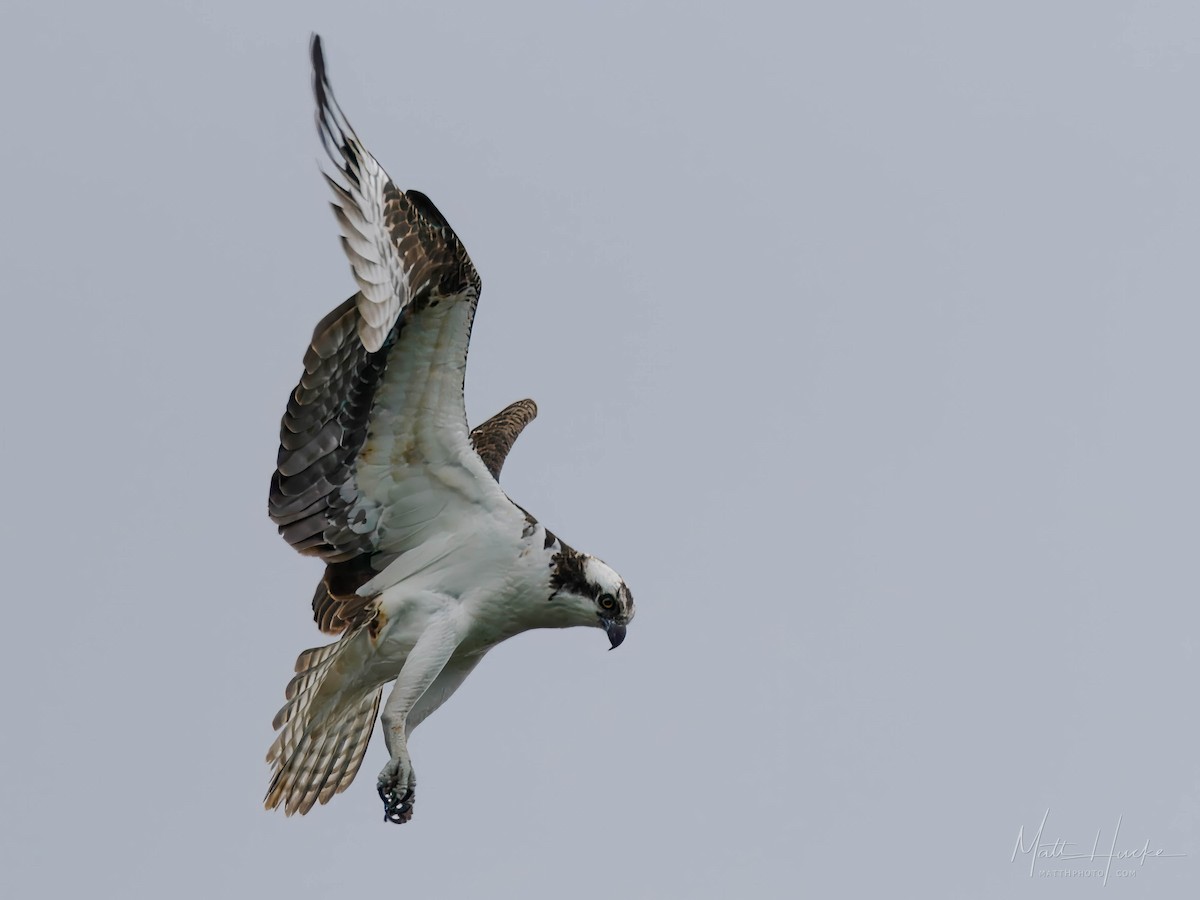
(397, 783)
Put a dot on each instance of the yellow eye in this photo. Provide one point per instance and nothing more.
(607, 601)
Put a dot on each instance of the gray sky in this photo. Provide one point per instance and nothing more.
(864, 338)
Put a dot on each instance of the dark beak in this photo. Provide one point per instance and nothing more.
(616, 632)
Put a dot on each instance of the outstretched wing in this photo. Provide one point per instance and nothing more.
(375, 455)
(494, 438)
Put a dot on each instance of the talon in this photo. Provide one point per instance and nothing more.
(397, 809)
(396, 787)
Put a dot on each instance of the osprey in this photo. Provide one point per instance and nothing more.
(428, 563)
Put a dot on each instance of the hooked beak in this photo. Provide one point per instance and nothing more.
(615, 631)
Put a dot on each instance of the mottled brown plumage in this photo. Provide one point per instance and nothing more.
(336, 606)
(494, 438)
(569, 573)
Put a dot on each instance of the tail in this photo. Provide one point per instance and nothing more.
(323, 734)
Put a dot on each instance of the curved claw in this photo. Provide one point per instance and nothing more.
(396, 809)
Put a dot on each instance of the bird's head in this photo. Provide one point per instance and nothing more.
(593, 592)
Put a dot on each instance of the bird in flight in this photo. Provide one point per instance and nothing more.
(428, 564)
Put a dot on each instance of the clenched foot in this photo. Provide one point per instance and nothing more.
(397, 789)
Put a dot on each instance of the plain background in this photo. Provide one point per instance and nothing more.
(864, 336)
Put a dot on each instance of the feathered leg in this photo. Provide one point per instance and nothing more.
(397, 783)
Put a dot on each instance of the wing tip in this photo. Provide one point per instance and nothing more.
(332, 126)
(426, 208)
(494, 438)
(317, 54)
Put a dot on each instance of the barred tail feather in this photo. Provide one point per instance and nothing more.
(322, 739)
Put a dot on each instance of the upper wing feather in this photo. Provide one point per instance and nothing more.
(494, 438)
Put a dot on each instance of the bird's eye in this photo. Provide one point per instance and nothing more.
(607, 601)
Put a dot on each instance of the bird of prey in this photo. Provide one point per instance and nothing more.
(429, 564)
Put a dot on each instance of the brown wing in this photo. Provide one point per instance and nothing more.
(336, 606)
(494, 438)
(406, 260)
(356, 480)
